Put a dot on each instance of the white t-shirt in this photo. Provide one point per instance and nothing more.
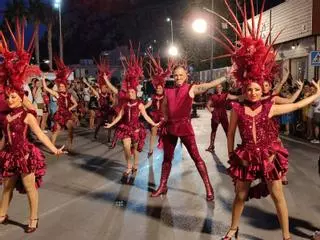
(86, 94)
(316, 105)
(26, 88)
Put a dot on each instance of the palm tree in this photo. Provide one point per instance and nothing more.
(14, 9)
(49, 18)
(36, 15)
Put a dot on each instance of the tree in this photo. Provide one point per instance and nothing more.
(14, 9)
(36, 15)
(49, 18)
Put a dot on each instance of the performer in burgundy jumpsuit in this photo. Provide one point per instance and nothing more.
(177, 107)
(217, 106)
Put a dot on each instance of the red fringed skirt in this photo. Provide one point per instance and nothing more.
(136, 132)
(61, 117)
(266, 163)
(23, 160)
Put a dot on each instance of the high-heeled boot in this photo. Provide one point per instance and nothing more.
(201, 166)
(165, 172)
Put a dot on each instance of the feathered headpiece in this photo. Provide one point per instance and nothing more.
(253, 58)
(157, 73)
(3, 69)
(17, 62)
(103, 68)
(62, 72)
(133, 70)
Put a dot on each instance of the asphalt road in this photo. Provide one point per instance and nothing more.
(83, 198)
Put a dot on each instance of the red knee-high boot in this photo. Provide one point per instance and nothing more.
(201, 166)
(162, 189)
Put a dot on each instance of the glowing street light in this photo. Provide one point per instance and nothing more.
(171, 27)
(200, 25)
(173, 51)
(57, 5)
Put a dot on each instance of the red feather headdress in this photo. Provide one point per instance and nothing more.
(62, 72)
(17, 62)
(158, 74)
(103, 68)
(253, 58)
(133, 70)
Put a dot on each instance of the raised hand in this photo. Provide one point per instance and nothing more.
(60, 151)
(105, 77)
(157, 124)
(299, 84)
(317, 85)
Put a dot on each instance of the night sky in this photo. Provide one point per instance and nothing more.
(88, 34)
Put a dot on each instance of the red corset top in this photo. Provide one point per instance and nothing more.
(253, 129)
(15, 128)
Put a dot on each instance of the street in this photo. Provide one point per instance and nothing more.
(82, 197)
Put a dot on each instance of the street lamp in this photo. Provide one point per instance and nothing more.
(200, 25)
(173, 51)
(171, 24)
(57, 5)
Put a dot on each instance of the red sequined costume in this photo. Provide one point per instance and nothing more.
(156, 112)
(105, 113)
(219, 114)
(63, 115)
(130, 125)
(257, 157)
(274, 127)
(19, 156)
(179, 126)
(253, 60)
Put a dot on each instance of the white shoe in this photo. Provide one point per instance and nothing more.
(315, 141)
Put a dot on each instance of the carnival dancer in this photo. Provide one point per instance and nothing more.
(158, 75)
(66, 103)
(272, 96)
(217, 107)
(22, 165)
(177, 106)
(131, 130)
(105, 97)
(4, 108)
(256, 158)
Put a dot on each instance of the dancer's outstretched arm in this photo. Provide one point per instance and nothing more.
(281, 100)
(32, 122)
(201, 88)
(45, 87)
(146, 116)
(91, 88)
(109, 84)
(116, 120)
(286, 108)
(149, 103)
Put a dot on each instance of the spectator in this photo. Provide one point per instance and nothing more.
(316, 120)
(38, 99)
(289, 119)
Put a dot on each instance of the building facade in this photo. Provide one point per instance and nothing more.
(299, 24)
